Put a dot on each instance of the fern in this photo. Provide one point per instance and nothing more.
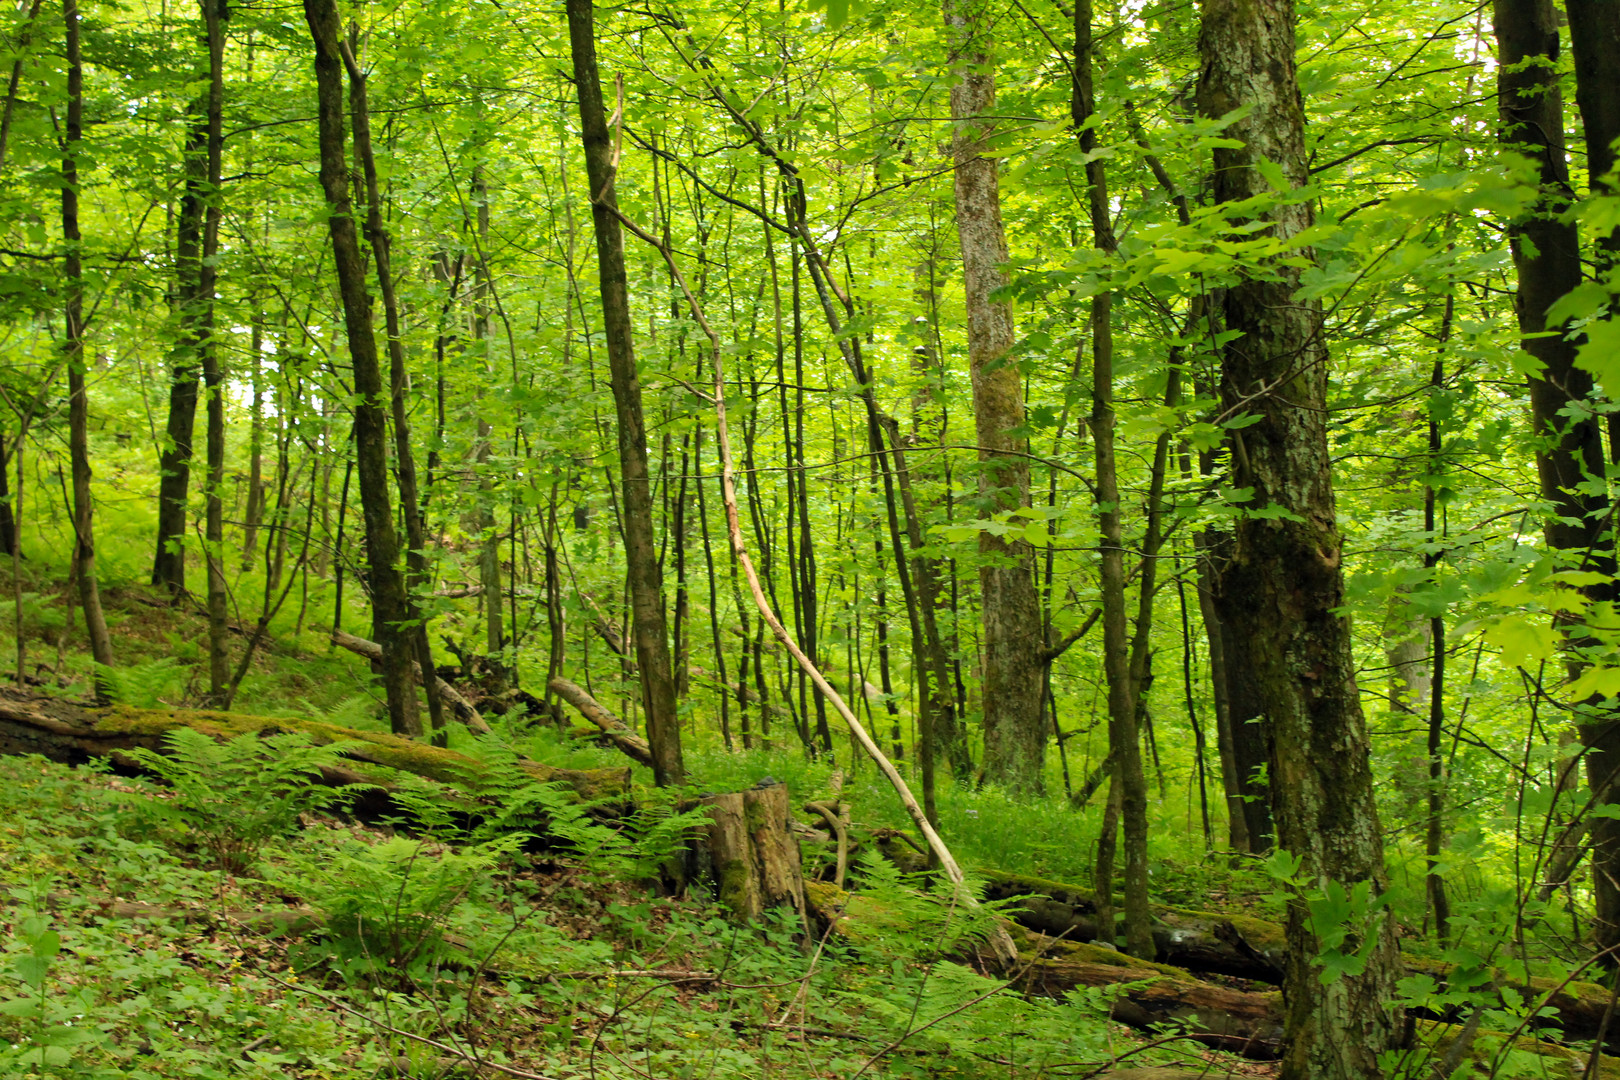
(143, 686)
(236, 795)
(390, 904)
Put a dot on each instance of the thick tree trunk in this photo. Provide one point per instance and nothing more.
(84, 548)
(390, 604)
(1014, 725)
(1546, 253)
(1284, 584)
(174, 460)
(1594, 34)
(641, 552)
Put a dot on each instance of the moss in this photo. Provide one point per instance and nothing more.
(1259, 934)
(378, 748)
(1058, 890)
(1560, 1062)
(734, 879)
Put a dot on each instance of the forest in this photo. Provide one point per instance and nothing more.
(825, 538)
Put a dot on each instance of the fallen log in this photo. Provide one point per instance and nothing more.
(1242, 946)
(616, 730)
(1242, 1022)
(459, 705)
(72, 733)
(1239, 945)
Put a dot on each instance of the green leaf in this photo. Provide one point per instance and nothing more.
(1523, 642)
(1596, 680)
(1600, 354)
(1273, 174)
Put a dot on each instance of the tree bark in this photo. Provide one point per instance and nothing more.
(641, 552)
(1284, 584)
(390, 603)
(84, 548)
(462, 709)
(616, 730)
(753, 855)
(1014, 724)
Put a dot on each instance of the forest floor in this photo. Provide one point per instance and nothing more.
(234, 923)
(348, 950)
(353, 951)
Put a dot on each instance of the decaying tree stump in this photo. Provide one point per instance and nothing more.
(750, 852)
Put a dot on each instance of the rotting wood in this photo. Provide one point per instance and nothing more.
(72, 733)
(459, 705)
(616, 730)
(752, 854)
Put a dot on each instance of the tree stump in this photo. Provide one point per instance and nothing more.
(751, 855)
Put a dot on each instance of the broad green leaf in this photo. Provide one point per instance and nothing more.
(1523, 641)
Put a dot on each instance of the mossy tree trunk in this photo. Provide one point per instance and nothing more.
(1284, 586)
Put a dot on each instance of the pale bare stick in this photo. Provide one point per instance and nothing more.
(1001, 942)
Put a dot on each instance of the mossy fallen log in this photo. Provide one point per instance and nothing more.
(72, 733)
(1239, 945)
(1238, 1021)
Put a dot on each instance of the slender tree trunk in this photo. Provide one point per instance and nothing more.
(1570, 454)
(174, 462)
(1014, 724)
(1284, 586)
(489, 546)
(1237, 824)
(1434, 831)
(390, 601)
(8, 515)
(84, 550)
(1124, 738)
(641, 551)
(214, 13)
(410, 499)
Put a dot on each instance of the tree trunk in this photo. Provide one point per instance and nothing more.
(1124, 739)
(390, 603)
(641, 552)
(410, 498)
(489, 543)
(214, 13)
(84, 548)
(1014, 724)
(1546, 253)
(196, 233)
(1284, 584)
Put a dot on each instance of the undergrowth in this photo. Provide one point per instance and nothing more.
(467, 948)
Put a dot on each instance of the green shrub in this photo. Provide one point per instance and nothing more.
(234, 796)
